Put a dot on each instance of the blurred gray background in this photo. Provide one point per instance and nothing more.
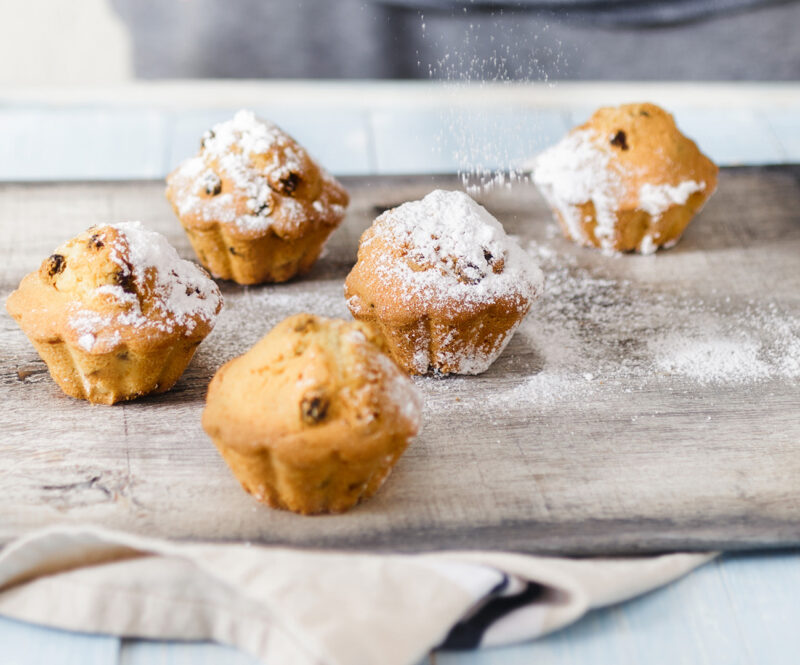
(533, 39)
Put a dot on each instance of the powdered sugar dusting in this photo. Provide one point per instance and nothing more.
(657, 199)
(177, 292)
(378, 383)
(230, 147)
(454, 251)
(401, 391)
(710, 360)
(576, 171)
(647, 245)
(469, 360)
(183, 291)
(86, 341)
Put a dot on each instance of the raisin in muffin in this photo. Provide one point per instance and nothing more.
(443, 282)
(255, 206)
(627, 180)
(115, 313)
(314, 416)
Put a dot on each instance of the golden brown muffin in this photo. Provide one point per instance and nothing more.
(443, 282)
(115, 313)
(255, 206)
(626, 180)
(314, 416)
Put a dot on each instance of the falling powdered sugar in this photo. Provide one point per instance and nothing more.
(485, 141)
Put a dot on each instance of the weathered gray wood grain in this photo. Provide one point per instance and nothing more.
(673, 464)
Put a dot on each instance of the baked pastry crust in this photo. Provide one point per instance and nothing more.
(115, 313)
(314, 416)
(626, 180)
(254, 204)
(443, 282)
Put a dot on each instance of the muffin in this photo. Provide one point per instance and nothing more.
(255, 206)
(115, 313)
(314, 416)
(443, 282)
(626, 180)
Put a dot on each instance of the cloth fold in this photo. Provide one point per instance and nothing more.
(309, 607)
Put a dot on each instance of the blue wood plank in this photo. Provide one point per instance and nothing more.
(686, 622)
(25, 644)
(81, 143)
(785, 124)
(449, 140)
(338, 138)
(762, 592)
(145, 652)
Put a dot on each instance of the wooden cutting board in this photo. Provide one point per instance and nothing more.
(648, 403)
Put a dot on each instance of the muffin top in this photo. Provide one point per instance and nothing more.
(631, 157)
(311, 387)
(442, 255)
(113, 285)
(253, 177)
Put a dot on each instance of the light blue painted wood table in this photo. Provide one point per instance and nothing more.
(741, 608)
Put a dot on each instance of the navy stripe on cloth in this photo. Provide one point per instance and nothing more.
(467, 634)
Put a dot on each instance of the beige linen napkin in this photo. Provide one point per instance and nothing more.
(298, 606)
